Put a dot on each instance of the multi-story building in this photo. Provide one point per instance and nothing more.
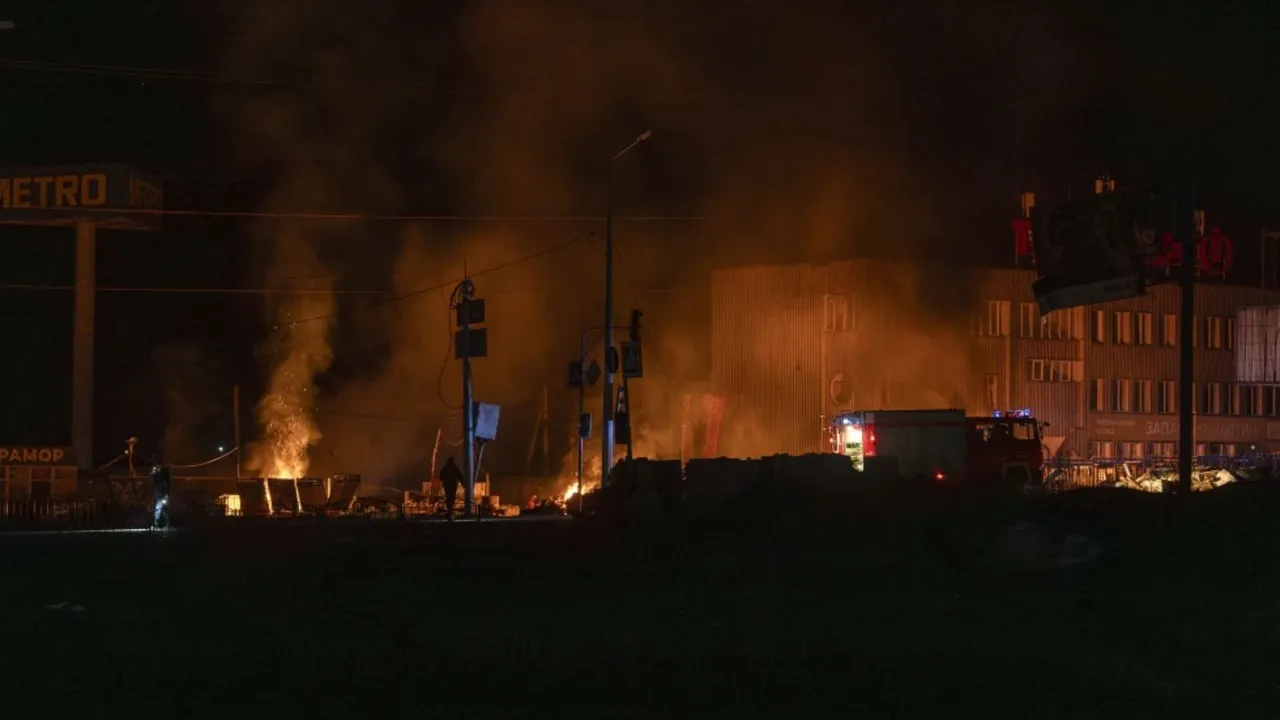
(792, 345)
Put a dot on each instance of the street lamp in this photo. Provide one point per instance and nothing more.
(606, 437)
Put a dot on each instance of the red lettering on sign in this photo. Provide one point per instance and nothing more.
(1170, 254)
(1216, 253)
(1022, 238)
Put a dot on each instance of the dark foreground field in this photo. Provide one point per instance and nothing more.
(861, 605)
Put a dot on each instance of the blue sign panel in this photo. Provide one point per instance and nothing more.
(112, 196)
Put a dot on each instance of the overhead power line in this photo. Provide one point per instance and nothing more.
(369, 216)
(194, 290)
(34, 287)
(422, 291)
(154, 73)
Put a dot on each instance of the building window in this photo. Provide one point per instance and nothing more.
(1252, 400)
(1124, 328)
(1144, 328)
(1062, 370)
(991, 385)
(1028, 318)
(836, 311)
(1122, 395)
(1067, 324)
(1099, 326)
(1169, 331)
(1142, 396)
(1202, 449)
(1235, 399)
(1163, 450)
(1167, 398)
(1211, 400)
(1231, 333)
(1098, 395)
(1035, 370)
(995, 320)
(1101, 450)
(1132, 450)
(1213, 333)
(1269, 406)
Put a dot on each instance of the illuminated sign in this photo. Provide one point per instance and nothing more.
(1215, 253)
(36, 456)
(110, 196)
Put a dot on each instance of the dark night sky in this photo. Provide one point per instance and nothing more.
(969, 105)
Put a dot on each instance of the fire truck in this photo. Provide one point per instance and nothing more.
(945, 445)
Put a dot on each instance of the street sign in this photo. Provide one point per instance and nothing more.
(486, 420)
(584, 426)
(632, 360)
(473, 343)
(471, 312)
(575, 374)
(593, 373)
(611, 360)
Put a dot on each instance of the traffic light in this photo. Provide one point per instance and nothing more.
(636, 315)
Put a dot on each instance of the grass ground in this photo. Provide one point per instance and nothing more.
(864, 606)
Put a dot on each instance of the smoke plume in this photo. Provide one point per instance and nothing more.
(799, 138)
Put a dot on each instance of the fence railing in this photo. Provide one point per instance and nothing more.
(58, 514)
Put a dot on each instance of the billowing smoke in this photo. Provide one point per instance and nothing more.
(792, 134)
(319, 151)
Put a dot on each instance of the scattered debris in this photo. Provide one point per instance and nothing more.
(67, 608)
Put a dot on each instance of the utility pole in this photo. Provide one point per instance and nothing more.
(235, 414)
(606, 437)
(468, 343)
(632, 367)
(1184, 219)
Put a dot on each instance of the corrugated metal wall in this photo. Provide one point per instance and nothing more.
(765, 347)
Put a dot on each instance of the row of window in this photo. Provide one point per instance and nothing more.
(1126, 395)
(1121, 327)
(1139, 450)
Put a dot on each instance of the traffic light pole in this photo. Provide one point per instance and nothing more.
(582, 407)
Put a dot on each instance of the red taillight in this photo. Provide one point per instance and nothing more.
(869, 444)
(938, 476)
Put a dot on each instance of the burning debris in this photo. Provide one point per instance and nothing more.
(300, 346)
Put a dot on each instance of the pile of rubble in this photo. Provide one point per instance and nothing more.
(1157, 479)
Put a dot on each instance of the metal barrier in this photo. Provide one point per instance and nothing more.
(52, 514)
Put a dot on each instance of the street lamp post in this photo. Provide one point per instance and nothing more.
(606, 434)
